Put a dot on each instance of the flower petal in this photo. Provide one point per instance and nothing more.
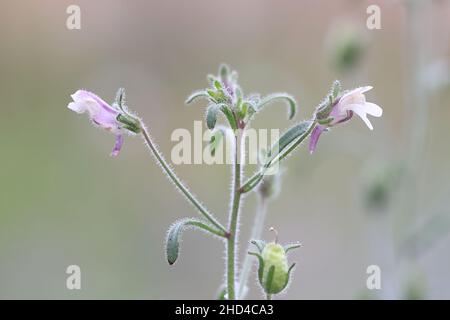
(360, 110)
(373, 109)
(84, 96)
(117, 145)
(364, 89)
(354, 96)
(356, 91)
(315, 137)
(77, 107)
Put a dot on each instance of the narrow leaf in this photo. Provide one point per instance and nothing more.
(215, 140)
(229, 115)
(260, 244)
(197, 95)
(261, 265)
(175, 231)
(218, 85)
(211, 115)
(173, 244)
(224, 70)
(252, 182)
(120, 99)
(291, 246)
(222, 294)
(292, 104)
(269, 279)
(288, 275)
(336, 89)
(294, 135)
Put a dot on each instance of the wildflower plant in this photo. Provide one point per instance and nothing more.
(225, 97)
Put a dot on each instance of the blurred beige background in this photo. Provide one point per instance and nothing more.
(64, 201)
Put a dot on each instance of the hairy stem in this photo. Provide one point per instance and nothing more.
(258, 225)
(159, 157)
(234, 217)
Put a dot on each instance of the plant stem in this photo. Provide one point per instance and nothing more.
(234, 217)
(258, 225)
(159, 157)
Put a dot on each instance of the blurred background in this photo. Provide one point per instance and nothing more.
(362, 198)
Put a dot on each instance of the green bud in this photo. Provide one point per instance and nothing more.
(273, 271)
(218, 85)
(130, 123)
(224, 71)
(336, 89)
(323, 110)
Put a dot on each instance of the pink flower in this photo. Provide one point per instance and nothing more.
(101, 114)
(353, 101)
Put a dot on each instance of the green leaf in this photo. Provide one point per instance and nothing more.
(242, 110)
(336, 89)
(260, 244)
(120, 99)
(238, 91)
(222, 294)
(211, 115)
(212, 94)
(291, 246)
(279, 150)
(269, 280)
(174, 235)
(234, 76)
(289, 140)
(252, 182)
(323, 110)
(218, 85)
(292, 104)
(197, 95)
(129, 122)
(173, 241)
(210, 78)
(230, 116)
(224, 71)
(289, 275)
(261, 265)
(215, 140)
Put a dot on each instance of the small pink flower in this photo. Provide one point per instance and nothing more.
(354, 101)
(101, 114)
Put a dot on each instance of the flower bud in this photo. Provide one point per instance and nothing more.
(275, 262)
(273, 271)
(130, 123)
